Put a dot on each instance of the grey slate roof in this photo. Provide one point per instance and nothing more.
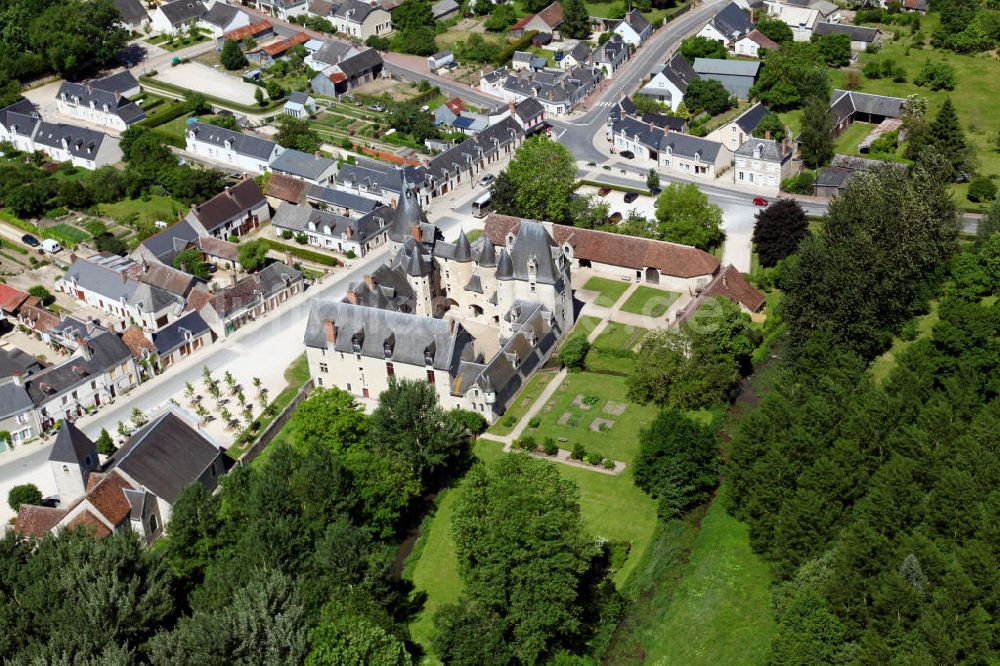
(13, 361)
(84, 94)
(637, 21)
(298, 97)
(505, 269)
(487, 253)
(21, 109)
(529, 109)
(354, 10)
(165, 456)
(385, 288)
(299, 218)
(463, 249)
(131, 10)
(174, 334)
(303, 165)
(333, 52)
(533, 244)
(458, 158)
(732, 20)
(389, 335)
(14, 400)
(341, 199)
(179, 11)
(166, 244)
(244, 144)
(118, 287)
(692, 147)
(119, 82)
(857, 33)
(845, 103)
(71, 445)
(650, 137)
(749, 119)
(679, 72)
(106, 349)
(80, 141)
(762, 149)
(580, 52)
(361, 63)
(232, 203)
(705, 66)
(672, 123)
(221, 14)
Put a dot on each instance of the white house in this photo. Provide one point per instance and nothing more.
(753, 43)
(134, 14)
(102, 101)
(634, 29)
(802, 20)
(222, 18)
(361, 20)
(82, 147)
(728, 26)
(299, 105)
(174, 17)
(669, 82)
(283, 9)
(763, 164)
(331, 231)
(313, 169)
(241, 151)
(692, 156)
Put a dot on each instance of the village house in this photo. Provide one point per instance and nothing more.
(330, 231)
(309, 168)
(728, 26)
(236, 211)
(802, 20)
(80, 146)
(174, 17)
(763, 164)
(861, 36)
(180, 339)
(299, 105)
(736, 132)
(251, 297)
(381, 182)
(668, 82)
(235, 149)
(17, 411)
(755, 42)
(222, 18)
(347, 74)
(134, 16)
(546, 21)
(634, 29)
(470, 157)
(610, 56)
(361, 20)
(101, 101)
(282, 9)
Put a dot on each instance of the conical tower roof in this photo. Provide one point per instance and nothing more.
(71, 445)
(463, 249)
(415, 264)
(505, 269)
(488, 256)
(408, 213)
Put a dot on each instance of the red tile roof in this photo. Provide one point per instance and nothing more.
(108, 497)
(251, 30)
(456, 105)
(286, 188)
(763, 41)
(87, 519)
(337, 77)
(277, 48)
(37, 317)
(218, 248)
(34, 521)
(552, 15)
(11, 299)
(523, 22)
(603, 247)
(137, 342)
(733, 285)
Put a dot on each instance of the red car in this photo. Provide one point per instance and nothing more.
(604, 191)
(759, 201)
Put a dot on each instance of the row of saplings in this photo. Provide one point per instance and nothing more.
(550, 447)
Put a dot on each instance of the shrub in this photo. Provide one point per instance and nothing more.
(41, 293)
(936, 76)
(474, 422)
(609, 463)
(590, 400)
(287, 234)
(526, 443)
(508, 421)
(534, 422)
(801, 184)
(909, 331)
(350, 254)
(578, 452)
(550, 447)
(27, 493)
(573, 353)
(595, 458)
(301, 238)
(982, 189)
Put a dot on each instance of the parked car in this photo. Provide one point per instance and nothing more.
(615, 218)
(30, 240)
(604, 191)
(487, 180)
(630, 197)
(759, 201)
(655, 191)
(378, 108)
(627, 154)
(51, 246)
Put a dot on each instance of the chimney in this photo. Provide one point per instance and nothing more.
(370, 282)
(18, 378)
(417, 233)
(330, 330)
(512, 107)
(351, 298)
(118, 96)
(767, 135)
(451, 327)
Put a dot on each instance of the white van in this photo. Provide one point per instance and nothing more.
(50, 246)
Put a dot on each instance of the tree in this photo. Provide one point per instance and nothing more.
(412, 14)
(192, 262)
(523, 554)
(936, 76)
(573, 353)
(232, 57)
(815, 141)
(105, 445)
(330, 417)
(41, 293)
(26, 493)
(27, 201)
(501, 15)
(945, 135)
(652, 179)
(775, 30)
(771, 125)
(915, 125)
(685, 216)
(196, 104)
(417, 41)
(982, 189)
(678, 463)
(258, 96)
(790, 75)
(410, 424)
(702, 47)
(503, 194)
(835, 49)
(779, 229)
(543, 175)
(646, 104)
(682, 111)
(253, 255)
(355, 640)
(708, 95)
(576, 20)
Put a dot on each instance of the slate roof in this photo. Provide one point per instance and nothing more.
(354, 10)
(167, 243)
(218, 248)
(243, 144)
(388, 335)
(249, 291)
(692, 147)
(749, 119)
(705, 66)
(647, 135)
(528, 109)
(302, 164)
(616, 249)
(457, 158)
(636, 21)
(341, 199)
(80, 141)
(832, 176)
(234, 202)
(72, 445)
(107, 350)
(131, 10)
(13, 361)
(117, 286)
(118, 82)
(13, 400)
(174, 334)
(17, 113)
(580, 52)
(179, 11)
(732, 21)
(386, 288)
(332, 52)
(165, 456)
(299, 219)
(534, 245)
(857, 33)
(845, 103)
(298, 97)
(672, 123)
(164, 277)
(770, 149)
(679, 72)
(360, 63)
(221, 14)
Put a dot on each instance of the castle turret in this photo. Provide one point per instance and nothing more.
(463, 249)
(488, 255)
(407, 216)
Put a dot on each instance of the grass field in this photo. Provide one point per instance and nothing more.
(610, 290)
(649, 301)
(604, 500)
(157, 208)
(521, 402)
(70, 232)
(701, 596)
(617, 336)
(974, 94)
(847, 143)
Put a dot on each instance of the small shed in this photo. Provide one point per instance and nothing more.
(440, 59)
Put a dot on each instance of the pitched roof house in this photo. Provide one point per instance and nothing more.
(236, 211)
(236, 149)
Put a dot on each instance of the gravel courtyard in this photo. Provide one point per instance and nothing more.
(196, 76)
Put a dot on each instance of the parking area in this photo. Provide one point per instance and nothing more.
(196, 76)
(646, 205)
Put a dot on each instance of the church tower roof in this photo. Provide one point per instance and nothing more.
(408, 214)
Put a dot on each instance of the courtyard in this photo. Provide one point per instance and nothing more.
(198, 77)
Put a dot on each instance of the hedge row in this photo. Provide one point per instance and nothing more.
(302, 253)
(175, 111)
(505, 54)
(154, 84)
(30, 228)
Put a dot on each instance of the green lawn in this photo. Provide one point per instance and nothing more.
(616, 336)
(847, 143)
(296, 375)
(701, 599)
(883, 365)
(176, 128)
(619, 442)
(69, 232)
(521, 402)
(474, 235)
(604, 502)
(974, 96)
(610, 290)
(157, 208)
(649, 301)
